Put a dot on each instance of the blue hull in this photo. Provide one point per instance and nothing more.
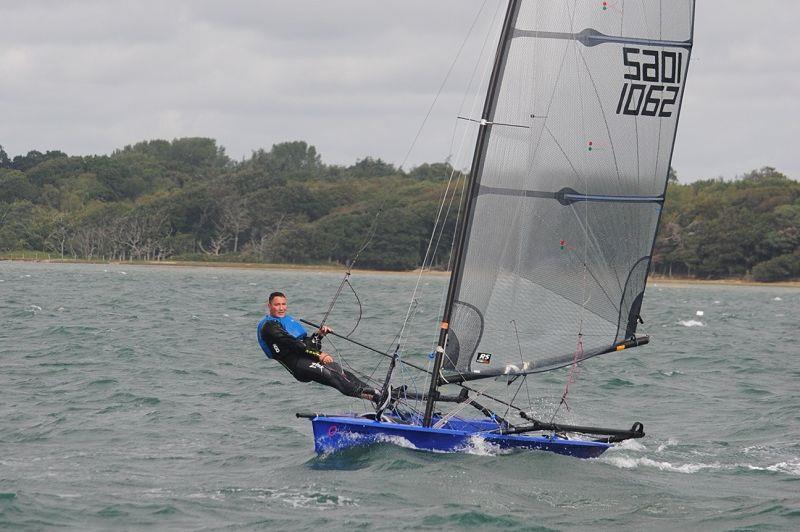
(333, 433)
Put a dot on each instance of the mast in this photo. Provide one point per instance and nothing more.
(469, 200)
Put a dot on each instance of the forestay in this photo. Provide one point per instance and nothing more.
(569, 183)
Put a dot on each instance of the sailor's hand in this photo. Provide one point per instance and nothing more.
(325, 330)
(325, 358)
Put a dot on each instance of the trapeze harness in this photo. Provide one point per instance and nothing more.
(286, 340)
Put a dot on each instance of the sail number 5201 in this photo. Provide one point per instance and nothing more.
(655, 82)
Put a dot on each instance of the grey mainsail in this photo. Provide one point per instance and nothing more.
(568, 183)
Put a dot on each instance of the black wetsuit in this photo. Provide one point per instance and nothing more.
(301, 358)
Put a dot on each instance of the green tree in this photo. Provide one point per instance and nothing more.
(781, 268)
(371, 168)
(14, 185)
(5, 162)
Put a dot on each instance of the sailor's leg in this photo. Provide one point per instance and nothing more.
(335, 376)
(351, 385)
(295, 368)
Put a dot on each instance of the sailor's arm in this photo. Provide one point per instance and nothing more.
(282, 343)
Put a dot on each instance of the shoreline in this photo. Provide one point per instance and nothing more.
(334, 268)
(652, 279)
(678, 281)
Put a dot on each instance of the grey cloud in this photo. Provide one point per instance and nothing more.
(354, 77)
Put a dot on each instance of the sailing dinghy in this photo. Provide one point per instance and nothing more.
(553, 249)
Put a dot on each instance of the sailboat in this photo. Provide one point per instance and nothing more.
(552, 253)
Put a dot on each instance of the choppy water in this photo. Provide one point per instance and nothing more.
(136, 397)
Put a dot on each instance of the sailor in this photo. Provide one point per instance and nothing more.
(284, 339)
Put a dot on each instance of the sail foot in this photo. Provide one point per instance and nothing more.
(527, 368)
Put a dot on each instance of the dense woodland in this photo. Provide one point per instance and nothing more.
(187, 200)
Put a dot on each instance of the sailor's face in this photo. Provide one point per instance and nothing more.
(277, 307)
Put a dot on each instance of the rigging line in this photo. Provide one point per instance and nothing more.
(571, 377)
(461, 148)
(524, 378)
(453, 172)
(428, 259)
(473, 75)
(415, 366)
(360, 309)
(344, 363)
(521, 359)
(443, 225)
(444, 82)
(450, 180)
(475, 103)
(351, 264)
(459, 408)
(413, 301)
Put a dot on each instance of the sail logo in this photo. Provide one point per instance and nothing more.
(655, 81)
(484, 358)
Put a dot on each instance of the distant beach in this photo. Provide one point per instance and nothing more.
(652, 279)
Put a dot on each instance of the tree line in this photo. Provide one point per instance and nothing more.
(748, 227)
(187, 200)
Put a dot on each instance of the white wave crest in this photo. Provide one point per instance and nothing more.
(318, 500)
(669, 443)
(692, 323)
(627, 462)
(394, 440)
(776, 298)
(354, 439)
(629, 445)
(791, 468)
(478, 445)
(309, 497)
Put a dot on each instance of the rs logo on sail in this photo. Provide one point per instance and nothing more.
(655, 82)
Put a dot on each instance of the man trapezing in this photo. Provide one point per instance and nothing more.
(284, 339)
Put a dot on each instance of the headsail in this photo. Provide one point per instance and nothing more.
(568, 184)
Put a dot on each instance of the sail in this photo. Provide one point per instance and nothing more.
(568, 184)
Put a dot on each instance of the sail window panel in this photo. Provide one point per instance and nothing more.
(529, 339)
(555, 271)
(647, 19)
(583, 252)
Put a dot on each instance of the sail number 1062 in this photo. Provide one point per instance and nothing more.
(655, 81)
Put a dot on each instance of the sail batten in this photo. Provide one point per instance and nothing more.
(564, 209)
(565, 198)
(592, 37)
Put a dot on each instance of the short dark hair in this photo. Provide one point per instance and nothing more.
(273, 295)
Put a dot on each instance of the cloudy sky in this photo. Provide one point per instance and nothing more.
(353, 77)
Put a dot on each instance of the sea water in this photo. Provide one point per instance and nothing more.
(137, 397)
